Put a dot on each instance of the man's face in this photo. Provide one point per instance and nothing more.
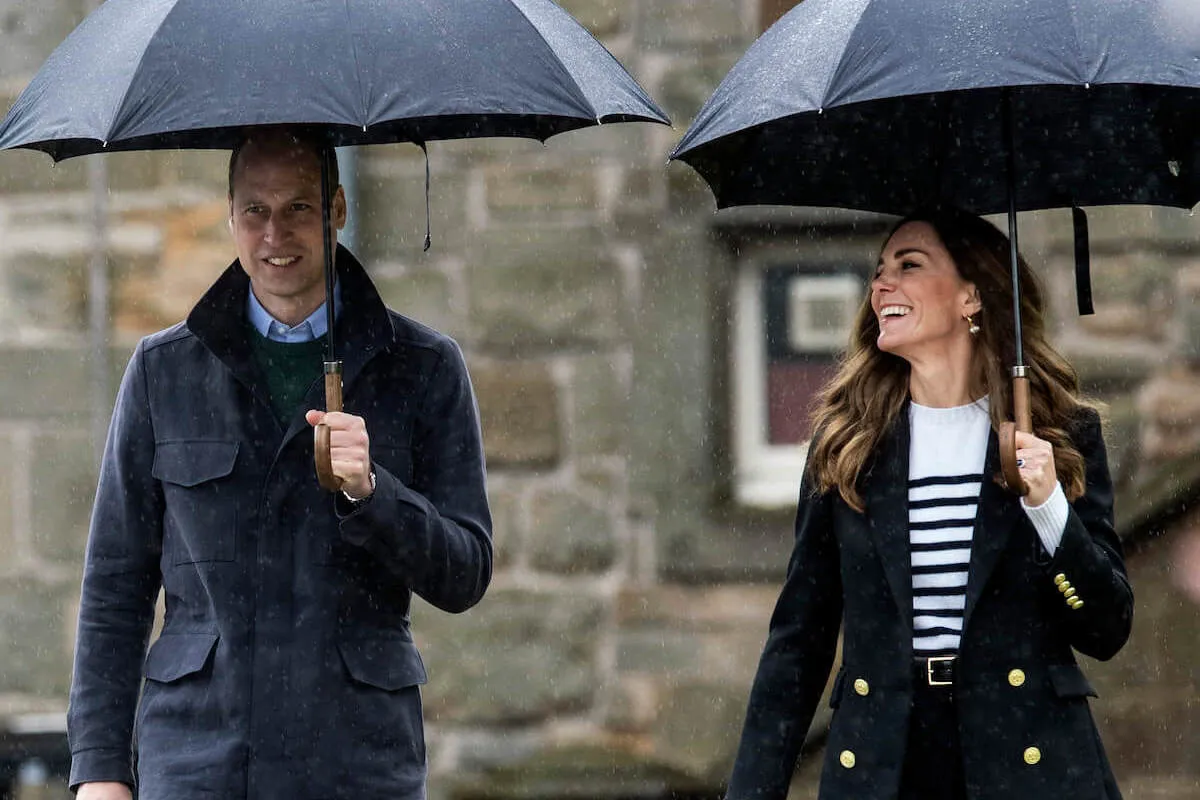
(275, 218)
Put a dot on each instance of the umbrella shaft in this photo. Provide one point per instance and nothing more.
(327, 153)
(1011, 157)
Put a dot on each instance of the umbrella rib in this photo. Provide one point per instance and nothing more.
(565, 69)
(837, 70)
(362, 98)
(118, 112)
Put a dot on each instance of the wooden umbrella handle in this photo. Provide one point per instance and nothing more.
(321, 454)
(1008, 435)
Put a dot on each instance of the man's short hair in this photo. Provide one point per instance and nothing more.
(309, 140)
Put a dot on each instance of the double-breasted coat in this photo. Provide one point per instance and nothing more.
(1022, 701)
(285, 667)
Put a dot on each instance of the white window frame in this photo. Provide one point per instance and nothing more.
(766, 476)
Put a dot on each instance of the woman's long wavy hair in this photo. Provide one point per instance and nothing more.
(860, 404)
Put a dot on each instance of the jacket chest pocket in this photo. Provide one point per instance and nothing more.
(200, 519)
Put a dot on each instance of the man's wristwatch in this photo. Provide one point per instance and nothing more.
(360, 500)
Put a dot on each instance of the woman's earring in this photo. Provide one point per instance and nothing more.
(972, 328)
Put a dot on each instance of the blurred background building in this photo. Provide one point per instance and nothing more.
(643, 366)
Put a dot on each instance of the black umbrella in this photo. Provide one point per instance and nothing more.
(167, 74)
(1008, 105)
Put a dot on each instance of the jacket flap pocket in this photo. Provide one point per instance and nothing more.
(1069, 681)
(175, 655)
(189, 463)
(384, 663)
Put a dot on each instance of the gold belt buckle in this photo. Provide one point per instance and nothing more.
(929, 669)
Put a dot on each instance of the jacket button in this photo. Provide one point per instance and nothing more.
(1064, 587)
(1060, 579)
(847, 759)
(1016, 678)
(1077, 604)
(861, 687)
(1070, 592)
(1032, 755)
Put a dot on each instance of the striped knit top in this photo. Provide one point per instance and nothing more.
(945, 475)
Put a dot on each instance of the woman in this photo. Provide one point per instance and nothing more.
(962, 604)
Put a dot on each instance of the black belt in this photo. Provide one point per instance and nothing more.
(935, 671)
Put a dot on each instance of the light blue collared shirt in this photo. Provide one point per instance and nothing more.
(312, 327)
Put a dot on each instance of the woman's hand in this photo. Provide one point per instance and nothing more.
(1035, 461)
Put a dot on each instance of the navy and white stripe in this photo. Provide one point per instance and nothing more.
(948, 447)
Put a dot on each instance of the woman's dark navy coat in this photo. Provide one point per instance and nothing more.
(286, 667)
(1026, 728)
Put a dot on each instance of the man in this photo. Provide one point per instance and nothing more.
(285, 667)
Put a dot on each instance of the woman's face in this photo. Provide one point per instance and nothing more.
(918, 296)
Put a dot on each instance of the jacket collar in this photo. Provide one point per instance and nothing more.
(363, 329)
(999, 513)
(886, 499)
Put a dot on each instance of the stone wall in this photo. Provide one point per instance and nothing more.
(613, 654)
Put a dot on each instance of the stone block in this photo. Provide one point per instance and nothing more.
(569, 534)
(504, 500)
(518, 657)
(37, 656)
(207, 169)
(519, 194)
(31, 29)
(423, 293)
(541, 288)
(45, 382)
(689, 81)
(604, 768)
(603, 18)
(518, 407)
(32, 171)
(690, 633)
(63, 482)
(600, 399)
(50, 289)
(133, 170)
(695, 24)
(698, 727)
(390, 212)
(8, 520)
(633, 703)
(158, 287)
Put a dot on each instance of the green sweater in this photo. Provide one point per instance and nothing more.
(290, 369)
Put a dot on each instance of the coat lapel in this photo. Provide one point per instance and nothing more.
(219, 321)
(363, 330)
(886, 498)
(999, 512)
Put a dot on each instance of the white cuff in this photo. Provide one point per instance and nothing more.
(1050, 518)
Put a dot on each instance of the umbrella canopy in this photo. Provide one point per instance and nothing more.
(886, 105)
(167, 74)
(1008, 105)
(154, 74)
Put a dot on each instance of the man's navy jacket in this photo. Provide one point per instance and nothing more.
(285, 667)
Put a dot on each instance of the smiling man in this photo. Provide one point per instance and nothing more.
(285, 667)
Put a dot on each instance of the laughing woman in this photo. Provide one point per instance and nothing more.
(962, 605)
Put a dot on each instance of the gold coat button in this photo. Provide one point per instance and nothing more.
(861, 687)
(1032, 755)
(847, 759)
(1059, 579)
(1070, 592)
(1016, 678)
(1064, 587)
(1078, 604)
